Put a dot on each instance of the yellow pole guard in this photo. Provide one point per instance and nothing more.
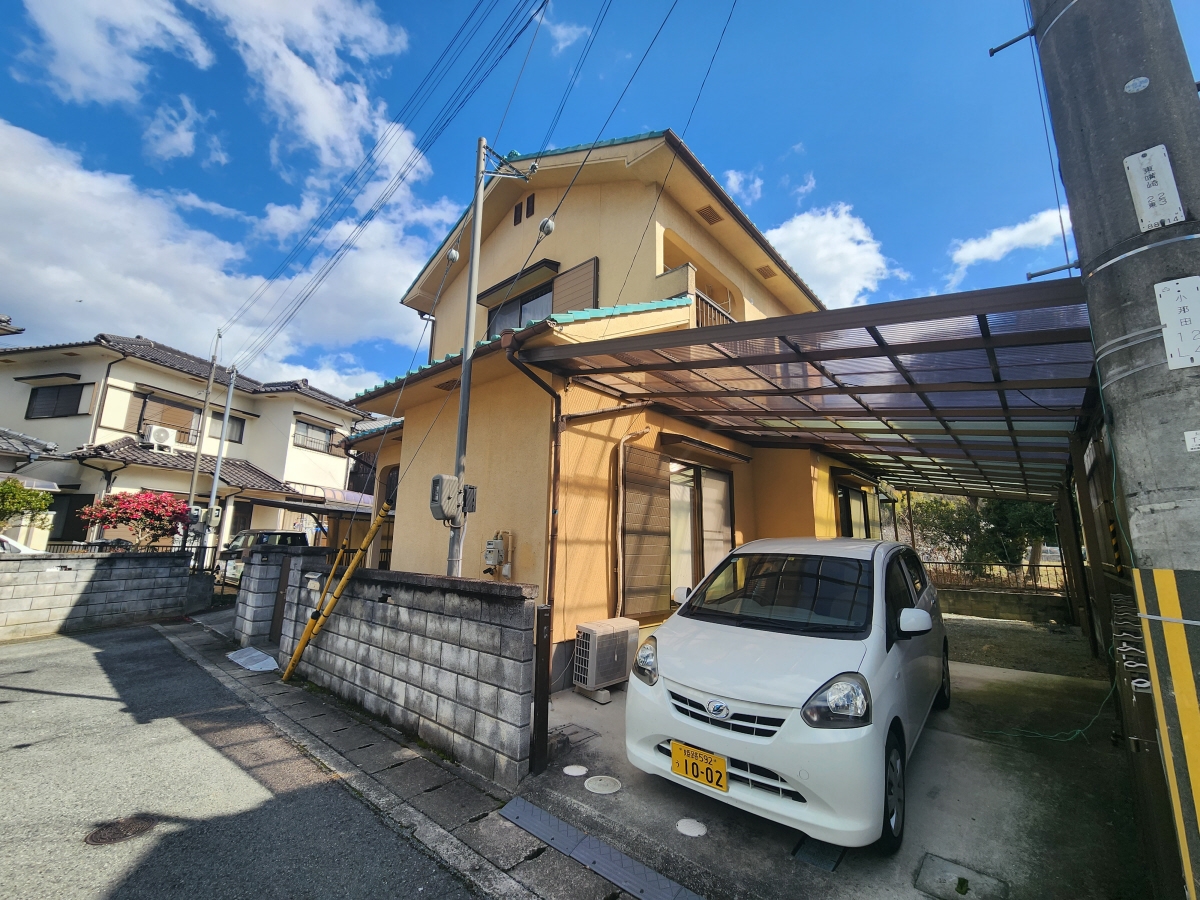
(319, 615)
(312, 621)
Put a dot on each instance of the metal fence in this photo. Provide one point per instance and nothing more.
(1047, 579)
(709, 313)
(204, 561)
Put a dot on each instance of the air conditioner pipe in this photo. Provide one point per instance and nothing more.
(620, 527)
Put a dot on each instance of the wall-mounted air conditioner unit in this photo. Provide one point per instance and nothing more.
(159, 438)
(604, 652)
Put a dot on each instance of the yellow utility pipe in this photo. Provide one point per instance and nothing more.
(320, 615)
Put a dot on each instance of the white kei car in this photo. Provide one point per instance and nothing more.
(794, 683)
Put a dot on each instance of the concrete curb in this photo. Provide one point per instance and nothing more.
(441, 843)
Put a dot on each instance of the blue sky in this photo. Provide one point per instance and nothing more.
(158, 158)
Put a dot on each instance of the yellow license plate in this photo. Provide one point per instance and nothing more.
(699, 765)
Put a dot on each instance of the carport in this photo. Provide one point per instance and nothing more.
(983, 394)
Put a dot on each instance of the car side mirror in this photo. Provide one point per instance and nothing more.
(679, 596)
(915, 622)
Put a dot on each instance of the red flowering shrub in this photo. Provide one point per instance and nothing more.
(148, 515)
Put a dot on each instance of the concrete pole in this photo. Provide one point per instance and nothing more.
(212, 374)
(1119, 84)
(216, 478)
(458, 526)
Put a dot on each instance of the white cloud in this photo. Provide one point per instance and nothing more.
(124, 260)
(172, 133)
(1039, 230)
(835, 253)
(216, 153)
(801, 191)
(310, 59)
(307, 57)
(95, 49)
(744, 186)
(565, 34)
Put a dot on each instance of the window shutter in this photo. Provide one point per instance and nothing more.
(53, 401)
(133, 415)
(647, 538)
(576, 288)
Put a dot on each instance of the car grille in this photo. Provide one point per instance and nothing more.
(758, 777)
(743, 723)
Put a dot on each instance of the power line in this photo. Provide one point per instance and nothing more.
(505, 38)
(675, 155)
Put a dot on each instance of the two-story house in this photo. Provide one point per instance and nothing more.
(607, 505)
(94, 400)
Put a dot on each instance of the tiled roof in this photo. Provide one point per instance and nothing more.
(16, 443)
(558, 318)
(363, 433)
(171, 358)
(611, 142)
(234, 472)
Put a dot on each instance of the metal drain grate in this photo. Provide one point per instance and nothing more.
(121, 830)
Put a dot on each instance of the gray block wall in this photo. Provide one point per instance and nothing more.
(256, 596)
(64, 592)
(448, 659)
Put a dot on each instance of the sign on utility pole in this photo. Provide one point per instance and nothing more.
(1127, 125)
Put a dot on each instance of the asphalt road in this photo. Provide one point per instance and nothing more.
(116, 724)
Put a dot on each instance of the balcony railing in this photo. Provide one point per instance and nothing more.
(708, 313)
(320, 444)
(1042, 579)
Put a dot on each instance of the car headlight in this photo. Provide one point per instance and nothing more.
(645, 662)
(842, 702)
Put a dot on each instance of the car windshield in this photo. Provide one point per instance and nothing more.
(782, 592)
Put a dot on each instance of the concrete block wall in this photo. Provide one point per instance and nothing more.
(63, 592)
(257, 590)
(448, 659)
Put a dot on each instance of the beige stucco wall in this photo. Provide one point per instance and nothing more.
(507, 458)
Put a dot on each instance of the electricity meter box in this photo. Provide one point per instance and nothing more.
(444, 497)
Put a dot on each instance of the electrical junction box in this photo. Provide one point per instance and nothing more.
(444, 497)
(195, 514)
(212, 517)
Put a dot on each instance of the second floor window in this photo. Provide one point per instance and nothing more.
(520, 311)
(54, 401)
(235, 432)
(313, 437)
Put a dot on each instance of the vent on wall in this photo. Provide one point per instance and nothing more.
(766, 272)
(709, 215)
(447, 385)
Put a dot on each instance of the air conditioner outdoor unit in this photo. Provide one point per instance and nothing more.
(159, 438)
(604, 652)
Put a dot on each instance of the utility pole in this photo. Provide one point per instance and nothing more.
(459, 523)
(216, 478)
(212, 374)
(1127, 125)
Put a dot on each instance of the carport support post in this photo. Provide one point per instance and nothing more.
(1097, 552)
(1118, 82)
(1068, 542)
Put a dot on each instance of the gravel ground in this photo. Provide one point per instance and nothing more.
(1051, 649)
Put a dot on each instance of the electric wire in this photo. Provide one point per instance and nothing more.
(1042, 101)
(601, 15)
(497, 49)
(356, 181)
(533, 40)
(675, 155)
(541, 234)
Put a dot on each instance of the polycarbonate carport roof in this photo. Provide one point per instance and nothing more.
(973, 393)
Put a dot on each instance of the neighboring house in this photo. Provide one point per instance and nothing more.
(94, 400)
(7, 327)
(645, 502)
(17, 452)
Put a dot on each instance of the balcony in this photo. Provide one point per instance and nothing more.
(319, 443)
(709, 313)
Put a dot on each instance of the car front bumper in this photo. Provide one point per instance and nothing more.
(827, 783)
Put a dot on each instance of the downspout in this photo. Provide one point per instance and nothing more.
(620, 526)
(509, 344)
(103, 397)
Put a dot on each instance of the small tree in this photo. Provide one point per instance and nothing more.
(18, 501)
(148, 515)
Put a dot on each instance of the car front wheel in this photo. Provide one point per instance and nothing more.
(893, 795)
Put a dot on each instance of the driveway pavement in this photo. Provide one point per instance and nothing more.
(116, 724)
